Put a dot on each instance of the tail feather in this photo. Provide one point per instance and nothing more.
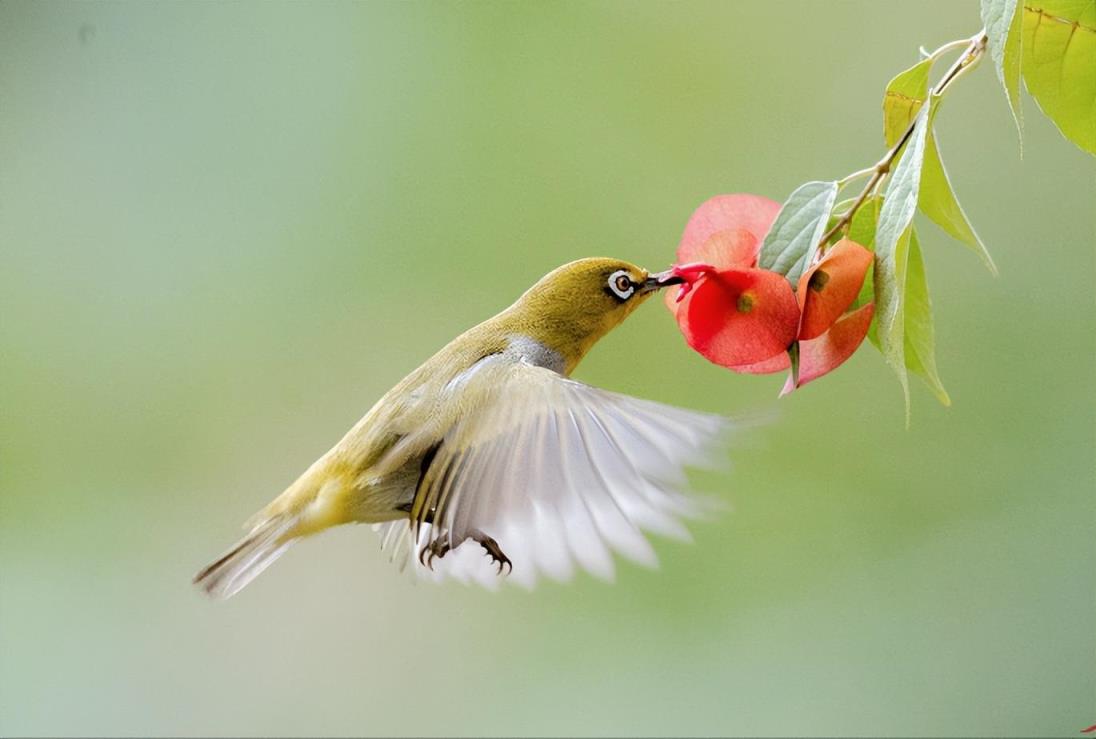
(247, 559)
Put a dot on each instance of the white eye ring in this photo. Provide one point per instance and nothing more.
(620, 282)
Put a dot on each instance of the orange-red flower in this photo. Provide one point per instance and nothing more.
(739, 316)
(741, 220)
(748, 319)
(827, 334)
(731, 312)
(830, 350)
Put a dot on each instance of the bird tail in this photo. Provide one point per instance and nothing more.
(251, 555)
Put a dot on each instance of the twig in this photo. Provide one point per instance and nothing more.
(975, 49)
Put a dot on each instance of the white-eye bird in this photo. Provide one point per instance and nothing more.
(490, 441)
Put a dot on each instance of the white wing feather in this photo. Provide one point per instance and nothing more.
(559, 473)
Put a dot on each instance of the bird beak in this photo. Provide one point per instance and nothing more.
(661, 280)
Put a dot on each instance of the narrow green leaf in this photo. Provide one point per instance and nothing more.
(862, 231)
(892, 238)
(889, 323)
(843, 205)
(905, 95)
(937, 201)
(862, 228)
(903, 98)
(1059, 39)
(793, 238)
(1002, 19)
(919, 335)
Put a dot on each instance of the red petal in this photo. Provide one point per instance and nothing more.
(739, 317)
(751, 214)
(669, 297)
(779, 363)
(691, 273)
(827, 352)
(827, 289)
(733, 248)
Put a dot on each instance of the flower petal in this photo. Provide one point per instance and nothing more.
(671, 299)
(778, 363)
(827, 289)
(733, 248)
(739, 317)
(691, 273)
(827, 352)
(740, 212)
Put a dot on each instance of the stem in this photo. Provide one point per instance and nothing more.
(949, 46)
(975, 49)
(855, 176)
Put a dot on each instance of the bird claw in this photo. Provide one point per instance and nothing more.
(498, 557)
(436, 549)
(439, 547)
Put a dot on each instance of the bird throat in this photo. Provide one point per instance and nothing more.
(527, 349)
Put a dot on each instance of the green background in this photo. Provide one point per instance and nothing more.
(226, 229)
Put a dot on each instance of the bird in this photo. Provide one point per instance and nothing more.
(490, 442)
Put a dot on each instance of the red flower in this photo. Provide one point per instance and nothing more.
(830, 286)
(748, 319)
(830, 350)
(827, 334)
(731, 312)
(742, 219)
(739, 317)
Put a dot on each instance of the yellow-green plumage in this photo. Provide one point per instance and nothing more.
(435, 448)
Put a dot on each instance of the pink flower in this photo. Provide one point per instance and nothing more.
(748, 319)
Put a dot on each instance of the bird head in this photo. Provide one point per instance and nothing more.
(573, 306)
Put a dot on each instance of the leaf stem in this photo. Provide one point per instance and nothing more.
(949, 46)
(975, 49)
(855, 176)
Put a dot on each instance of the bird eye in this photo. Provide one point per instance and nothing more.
(621, 284)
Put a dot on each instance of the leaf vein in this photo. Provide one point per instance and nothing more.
(1059, 19)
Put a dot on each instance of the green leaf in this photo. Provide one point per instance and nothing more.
(791, 242)
(862, 227)
(919, 335)
(905, 95)
(844, 205)
(903, 98)
(1002, 19)
(937, 201)
(892, 237)
(862, 231)
(887, 331)
(1059, 39)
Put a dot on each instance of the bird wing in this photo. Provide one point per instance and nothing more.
(559, 473)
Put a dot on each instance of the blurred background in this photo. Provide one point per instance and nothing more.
(226, 229)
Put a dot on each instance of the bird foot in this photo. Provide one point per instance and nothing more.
(498, 557)
(436, 549)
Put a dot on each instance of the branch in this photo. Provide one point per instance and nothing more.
(975, 49)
